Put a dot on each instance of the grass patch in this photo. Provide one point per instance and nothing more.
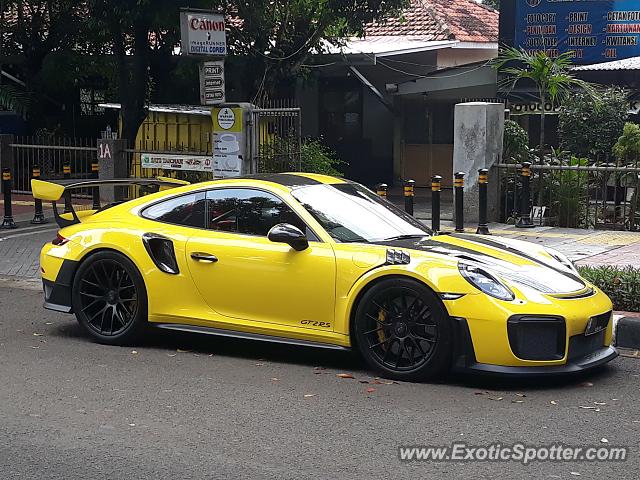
(621, 284)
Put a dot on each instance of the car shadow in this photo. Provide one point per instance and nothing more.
(256, 350)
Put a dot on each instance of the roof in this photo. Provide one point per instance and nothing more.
(632, 63)
(388, 45)
(461, 20)
(187, 109)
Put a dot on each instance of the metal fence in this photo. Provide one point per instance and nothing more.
(277, 136)
(604, 196)
(51, 155)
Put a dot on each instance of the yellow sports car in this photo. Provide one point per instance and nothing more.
(320, 261)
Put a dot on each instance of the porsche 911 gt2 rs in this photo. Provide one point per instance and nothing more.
(316, 260)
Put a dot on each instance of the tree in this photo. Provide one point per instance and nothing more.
(589, 129)
(492, 3)
(551, 78)
(275, 37)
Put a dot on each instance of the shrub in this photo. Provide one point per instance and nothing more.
(621, 284)
(589, 127)
(516, 143)
(318, 158)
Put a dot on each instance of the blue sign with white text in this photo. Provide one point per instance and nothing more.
(594, 30)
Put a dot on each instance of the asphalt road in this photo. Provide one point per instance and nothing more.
(186, 406)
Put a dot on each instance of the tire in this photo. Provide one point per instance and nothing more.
(110, 299)
(402, 330)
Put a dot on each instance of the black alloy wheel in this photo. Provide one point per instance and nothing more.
(109, 298)
(402, 329)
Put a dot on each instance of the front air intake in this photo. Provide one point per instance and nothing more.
(537, 337)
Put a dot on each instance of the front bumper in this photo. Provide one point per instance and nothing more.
(581, 356)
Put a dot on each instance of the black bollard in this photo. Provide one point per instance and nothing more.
(409, 193)
(66, 169)
(95, 191)
(8, 212)
(382, 190)
(38, 216)
(435, 202)
(483, 182)
(458, 187)
(524, 213)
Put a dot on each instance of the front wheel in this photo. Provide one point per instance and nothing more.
(402, 329)
(110, 299)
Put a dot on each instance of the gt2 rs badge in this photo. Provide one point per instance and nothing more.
(315, 324)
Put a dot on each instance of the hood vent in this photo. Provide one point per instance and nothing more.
(397, 257)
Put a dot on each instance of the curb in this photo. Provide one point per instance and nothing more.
(627, 333)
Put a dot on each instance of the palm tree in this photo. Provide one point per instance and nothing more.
(552, 78)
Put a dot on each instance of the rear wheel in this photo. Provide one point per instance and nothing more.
(109, 298)
(402, 329)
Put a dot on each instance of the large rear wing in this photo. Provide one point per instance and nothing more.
(54, 190)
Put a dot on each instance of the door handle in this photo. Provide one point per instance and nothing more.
(204, 257)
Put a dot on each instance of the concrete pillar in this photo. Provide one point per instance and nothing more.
(6, 154)
(112, 163)
(478, 134)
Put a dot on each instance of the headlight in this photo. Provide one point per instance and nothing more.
(562, 258)
(485, 282)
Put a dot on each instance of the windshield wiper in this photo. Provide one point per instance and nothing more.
(405, 237)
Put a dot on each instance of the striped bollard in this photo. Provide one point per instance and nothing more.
(66, 169)
(95, 191)
(38, 216)
(7, 222)
(483, 182)
(409, 196)
(524, 210)
(381, 190)
(436, 188)
(458, 187)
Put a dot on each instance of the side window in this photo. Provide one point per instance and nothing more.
(186, 210)
(246, 211)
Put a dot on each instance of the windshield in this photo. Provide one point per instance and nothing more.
(351, 213)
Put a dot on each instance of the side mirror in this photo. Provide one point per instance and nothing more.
(287, 233)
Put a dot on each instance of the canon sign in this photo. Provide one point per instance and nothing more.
(203, 34)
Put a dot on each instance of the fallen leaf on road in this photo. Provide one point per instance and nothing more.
(520, 395)
(517, 401)
(553, 402)
(134, 352)
(48, 323)
(599, 403)
(309, 395)
(575, 474)
(179, 350)
(497, 399)
(274, 379)
(35, 348)
(587, 407)
(172, 354)
(586, 384)
(604, 440)
(38, 334)
(363, 381)
(132, 424)
(371, 390)
(344, 375)
(319, 368)
(259, 364)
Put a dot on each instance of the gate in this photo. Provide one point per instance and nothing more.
(276, 140)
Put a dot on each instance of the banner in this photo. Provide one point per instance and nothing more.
(176, 162)
(228, 142)
(594, 30)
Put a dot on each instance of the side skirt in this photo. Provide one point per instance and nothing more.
(247, 336)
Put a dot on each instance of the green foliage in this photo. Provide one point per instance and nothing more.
(515, 144)
(628, 145)
(492, 3)
(318, 158)
(591, 128)
(568, 190)
(621, 284)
